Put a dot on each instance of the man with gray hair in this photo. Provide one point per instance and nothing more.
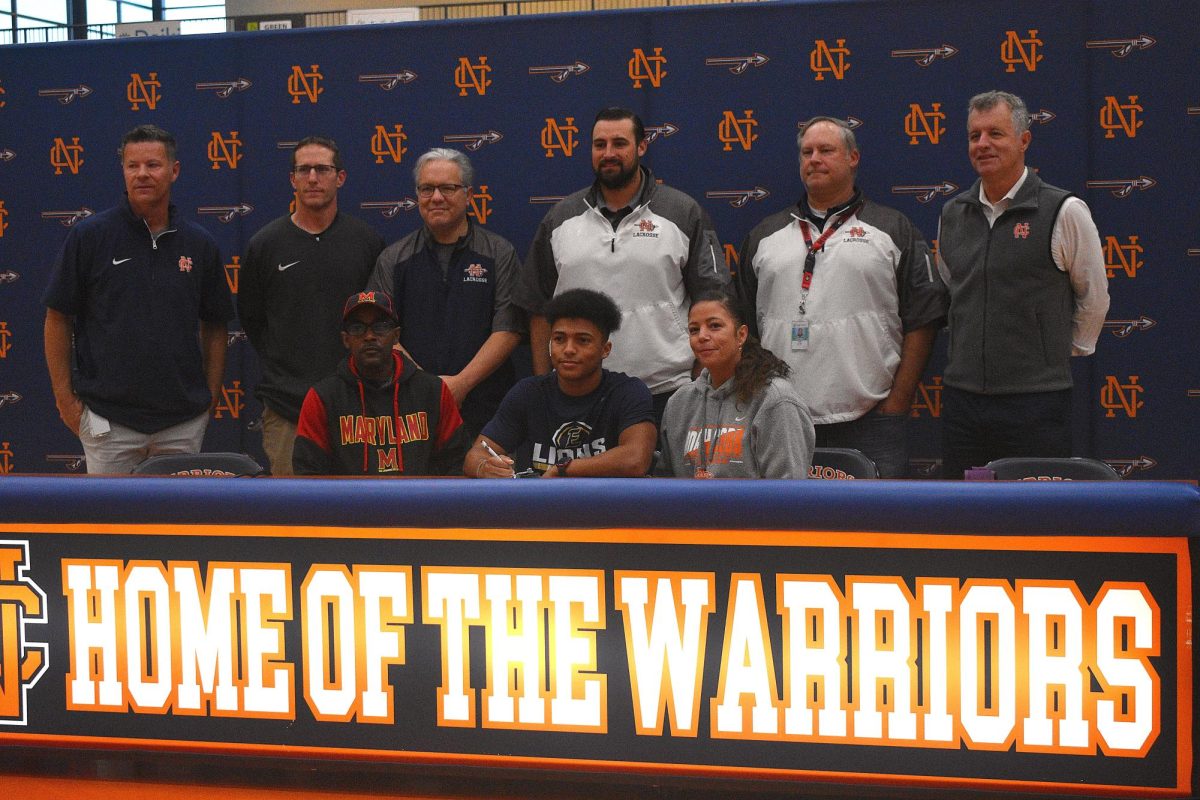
(857, 322)
(452, 280)
(1028, 290)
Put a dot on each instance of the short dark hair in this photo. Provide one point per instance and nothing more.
(148, 133)
(618, 113)
(320, 141)
(595, 307)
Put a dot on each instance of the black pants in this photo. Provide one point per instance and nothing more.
(978, 428)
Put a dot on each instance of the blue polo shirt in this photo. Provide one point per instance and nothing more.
(137, 302)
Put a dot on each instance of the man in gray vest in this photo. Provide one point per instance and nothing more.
(1028, 290)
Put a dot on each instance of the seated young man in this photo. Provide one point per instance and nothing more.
(378, 414)
(580, 420)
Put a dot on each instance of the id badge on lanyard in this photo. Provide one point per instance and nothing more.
(801, 332)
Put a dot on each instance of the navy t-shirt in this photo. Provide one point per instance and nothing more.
(537, 420)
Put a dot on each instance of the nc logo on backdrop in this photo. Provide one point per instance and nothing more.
(389, 144)
(1117, 116)
(225, 151)
(921, 124)
(1116, 396)
(1122, 256)
(1017, 50)
(66, 156)
(305, 84)
(143, 91)
(480, 205)
(560, 137)
(738, 130)
(232, 273)
(230, 402)
(474, 77)
(5, 339)
(825, 60)
(22, 601)
(928, 398)
(3, 219)
(6, 466)
(651, 69)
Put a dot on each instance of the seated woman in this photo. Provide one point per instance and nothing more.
(740, 418)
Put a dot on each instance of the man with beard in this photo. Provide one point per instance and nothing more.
(378, 414)
(650, 247)
(298, 269)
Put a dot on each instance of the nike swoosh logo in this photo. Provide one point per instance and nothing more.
(738, 419)
(282, 267)
(117, 261)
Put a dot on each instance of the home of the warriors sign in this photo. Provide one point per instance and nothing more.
(1002, 662)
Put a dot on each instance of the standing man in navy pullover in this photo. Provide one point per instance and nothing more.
(453, 282)
(136, 316)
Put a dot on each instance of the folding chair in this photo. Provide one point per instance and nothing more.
(841, 464)
(1052, 469)
(201, 465)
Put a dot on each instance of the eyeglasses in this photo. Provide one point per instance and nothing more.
(322, 170)
(448, 190)
(380, 328)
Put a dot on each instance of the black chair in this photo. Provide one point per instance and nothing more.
(841, 464)
(1052, 469)
(201, 465)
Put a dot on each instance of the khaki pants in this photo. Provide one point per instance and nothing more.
(279, 438)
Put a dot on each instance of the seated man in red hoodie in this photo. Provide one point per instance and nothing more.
(378, 414)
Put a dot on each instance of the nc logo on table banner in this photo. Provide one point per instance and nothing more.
(143, 91)
(22, 601)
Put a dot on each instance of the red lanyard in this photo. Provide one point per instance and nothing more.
(810, 260)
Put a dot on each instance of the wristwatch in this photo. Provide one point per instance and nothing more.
(564, 460)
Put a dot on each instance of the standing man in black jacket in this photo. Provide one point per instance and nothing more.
(297, 271)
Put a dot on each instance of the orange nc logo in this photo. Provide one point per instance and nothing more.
(389, 144)
(3, 219)
(225, 151)
(143, 91)
(480, 205)
(651, 69)
(825, 60)
(1016, 50)
(66, 156)
(5, 340)
(3, 102)
(1117, 116)
(919, 123)
(560, 137)
(6, 458)
(732, 258)
(928, 398)
(233, 272)
(734, 130)
(1116, 396)
(230, 402)
(22, 601)
(305, 84)
(472, 76)
(1122, 256)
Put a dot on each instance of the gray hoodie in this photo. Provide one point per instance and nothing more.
(771, 437)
